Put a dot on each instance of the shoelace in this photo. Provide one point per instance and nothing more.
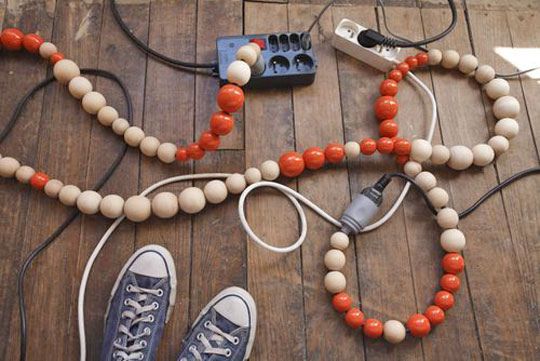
(218, 337)
(132, 350)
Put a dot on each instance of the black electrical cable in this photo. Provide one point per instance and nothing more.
(43, 245)
(512, 75)
(145, 48)
(318, 18)
(478, 203)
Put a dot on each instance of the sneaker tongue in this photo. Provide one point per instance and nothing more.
(146, 282)
(223, 323)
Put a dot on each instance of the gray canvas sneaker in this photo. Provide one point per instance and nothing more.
(141, 303)
(224, 330)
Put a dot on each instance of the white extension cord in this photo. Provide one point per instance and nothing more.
(292, 195)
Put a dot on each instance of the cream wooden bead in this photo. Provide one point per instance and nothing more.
(453, 240)
(499, 144)
(506, 107)
(192, 200)
(137, 208)
(426, 181)
(236, 183)
(253, 175)
(248, 54)
(120, 125)
(92, 102)
(420, 150)
(438, 197)
(484, 74)
(450, 59)
(88, 202)
(65, 70)
(79, 86)
(467, 64)
(52, 188)
(47, 49)
(339, 240)
(394, 331)
(238, 73)
(255, 47)
(133, 136)
(461, 157)
(165, 205)
(434, 57)
(112, 206)
(215, 191)
(412, 168)
(107, 115)
(335, 282)
(270, 170)
(447, 218)
(497, 88)
(24, 173)
(352, 150)
(507, 127)
(483, 154)
(8, 167)
(334, 260)
(68, 195)
(149, 146)
(167, 152)
(440, 154)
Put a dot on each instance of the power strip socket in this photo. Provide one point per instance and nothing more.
(346, 39)
(288, 58)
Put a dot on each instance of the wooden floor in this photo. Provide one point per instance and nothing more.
(394, 270)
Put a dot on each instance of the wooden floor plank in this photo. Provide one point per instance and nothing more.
(518, 266)
(318, 121)
(270, 112)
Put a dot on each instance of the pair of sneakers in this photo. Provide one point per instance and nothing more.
(141, 304)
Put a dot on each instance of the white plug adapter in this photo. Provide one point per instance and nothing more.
(346, 39)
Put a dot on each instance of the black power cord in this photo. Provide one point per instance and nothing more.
(145, 48)
(71, 217)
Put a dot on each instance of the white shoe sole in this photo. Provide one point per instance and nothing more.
(163, 252)
(243, 294)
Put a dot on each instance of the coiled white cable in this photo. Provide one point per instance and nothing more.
(292, 195)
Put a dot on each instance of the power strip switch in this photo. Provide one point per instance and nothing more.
(287, 59)
(346, 39)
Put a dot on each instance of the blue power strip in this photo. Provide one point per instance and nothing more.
(288, 58)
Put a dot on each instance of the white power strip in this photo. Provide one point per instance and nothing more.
(346, 39)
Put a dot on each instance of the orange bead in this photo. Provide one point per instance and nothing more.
(368, 146)
(444, 300)
(354, 318)
(419, 325)
(403, 68)
(402, 147)
(373, 328)
(314, 158)
(221, 123)
(209, 141)
(291, 164)
(38, 180)
(412, 62)
(422, 58)
(435, 315)
(32, 42)
(389, 87)
(395, 75)
(334, 152)
(385, 145)
(402, 159)
(194, 151)
(450, 282)
(342, 302)
(388, 128)
(453, 263)
(56, 57)
(230, 98)
(11, 39)
(386, 107)
(182, 155)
